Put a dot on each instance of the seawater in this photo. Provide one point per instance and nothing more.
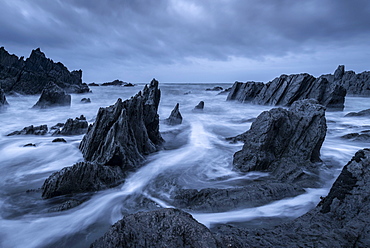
(195, 153)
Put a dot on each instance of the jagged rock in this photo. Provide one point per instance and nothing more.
(341, 219)
(114, 83)
(93, 84)
(3, 102)
(29, 144)
(38, 130)
(129, 85)
(53, 96)
(284, 142)
(200, 106)
(66, 205)
(365, 112)
(113, 146)
(363, 136)
(225, 91)
(216, 88)
(286, 89)
(86, 100)
(73, 127)
(175, 117)
(30, 76)
(59, 140)
(159, 228)
(81, 177)
(355, 84)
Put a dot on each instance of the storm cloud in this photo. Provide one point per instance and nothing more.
(189, 40)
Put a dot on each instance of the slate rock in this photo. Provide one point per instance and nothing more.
(365, 112)
(73, 127)
(159, 228)
(114, 83)
(199, 107)
(53, 96)
(129, 85)
(285, 142)
(59, 140)
(93, 84)
(85, 100)
(32, 130)
(29, 145)
(245, 92)
(175, 117)
(3, 102)
(216, 88)
(30, 76)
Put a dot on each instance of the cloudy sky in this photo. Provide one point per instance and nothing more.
(191, 40)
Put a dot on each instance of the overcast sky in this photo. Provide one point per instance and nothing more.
(191, 40)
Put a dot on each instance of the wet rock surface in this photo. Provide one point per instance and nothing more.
(85, 100)
(30, 76)
(3, 102)
(73, 127)
(53, 96)
(113, 146)
(175, 117)
(365, 112)
(199, 106)
(31, 130)
(286, 89)
(160, 228)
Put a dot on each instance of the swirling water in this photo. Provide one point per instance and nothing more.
(196, 154)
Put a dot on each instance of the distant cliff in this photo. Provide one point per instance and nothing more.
(30, 76)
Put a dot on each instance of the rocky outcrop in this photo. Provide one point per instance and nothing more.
(114, 83)
(159, 228)
(113, 146)
(175, 117)
(341, 219)
(362, 136)
(32, 130)
(216, 88)
(355, 84)
(284, 142)
(3, 102)
(30, 76)
(365, 112)
(199, 107)
(286, 89)
(73, 127)
(53, 96)
(85, 100)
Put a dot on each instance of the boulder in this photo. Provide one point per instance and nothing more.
(3, 102)
(285, 142)
(159, 228)
(175, 117)
(286, 89)
(73, 127)
(85, 100)
(30, 76)
(59, 140)
(365, 112)
(53, 96)
(199, 107)
(113, 146)
(38, 130)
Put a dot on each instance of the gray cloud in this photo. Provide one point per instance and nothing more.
(123, 38)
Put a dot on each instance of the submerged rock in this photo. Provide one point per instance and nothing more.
(30, 76)
(73, 127)
(284, 142)
(199, 107)
(59, 140)
(159, 228)
(113, 146)
(3, 102)
(33, 130)
(175, 117)
(53, 96)
(286, 89)
(365, 112)
(85, 100)
(216, 88)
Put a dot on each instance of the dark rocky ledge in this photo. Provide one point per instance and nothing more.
(113, 146)
(73, 127)
(175, 117)
(286, 89)
(30, 76)
(53, 96)
(3, 102)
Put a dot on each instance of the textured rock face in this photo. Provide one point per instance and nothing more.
(285, 89)
(160, 228)
(284, 142)
(30, 76)
(3, 102)
(73, 127)
(365, 112)
(200, 106)
(53, 96)
(114, 145)
(355, 84)
(175, 117)
(38, 130)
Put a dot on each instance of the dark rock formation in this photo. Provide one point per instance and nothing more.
(66, 205)
(3, 102)
(29, 144)
(114, 83)
(73, 127)
(38, 130)
(365, 112)
(362, 136)
(175, 117)
(129, 85)
(114, 145)
(86, 100)
(59, 140)
(216, 88)
(199, 107)
(30, 76)
(93, 84)
(159, 228)
(341, 219)
(355, 84)
(285, 89)
(284, 142)
(53, 96)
